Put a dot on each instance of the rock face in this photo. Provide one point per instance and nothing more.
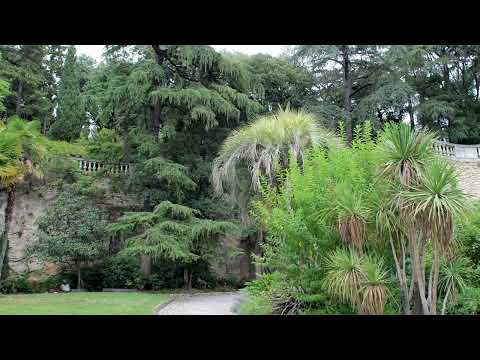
(27, 209)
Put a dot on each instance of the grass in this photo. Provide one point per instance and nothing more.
(88, 303)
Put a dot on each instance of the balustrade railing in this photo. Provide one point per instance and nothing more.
(90, 166)
(457, 151)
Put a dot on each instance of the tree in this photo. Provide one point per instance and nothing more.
(72, 232)
(425, 200)
(433, 204)
(54, 66)
(173, 232)
(70, 113)
(342, 73)
(262, 149)
(22, 152)
(4, 91)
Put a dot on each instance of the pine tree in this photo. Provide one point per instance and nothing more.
(174, 232)
(70, 113)
(24, 68)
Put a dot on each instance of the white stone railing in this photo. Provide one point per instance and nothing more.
(458, 151)
(91, 166)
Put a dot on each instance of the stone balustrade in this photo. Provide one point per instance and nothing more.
(91, 166)
(458, 151)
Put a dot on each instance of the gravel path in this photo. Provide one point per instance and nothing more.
(220, 303)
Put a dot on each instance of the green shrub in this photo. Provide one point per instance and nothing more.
(16, 284)
(51, 282)
(92, 278)
(468, 303)
(256, 305)
(122, 272)
(154, 282)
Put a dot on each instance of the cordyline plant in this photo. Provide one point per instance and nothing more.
(360, 281)
(425, 199)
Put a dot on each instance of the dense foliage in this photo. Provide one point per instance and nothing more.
(367, 222)
(72, 232)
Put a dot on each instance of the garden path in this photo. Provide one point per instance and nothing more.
(217, 303)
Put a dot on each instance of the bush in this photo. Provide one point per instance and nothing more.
(16, 284)
(256, 305)
(92, 278)
(154, 282)
(468, 303)
(122, 272)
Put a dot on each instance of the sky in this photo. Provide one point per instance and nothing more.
(95, 51)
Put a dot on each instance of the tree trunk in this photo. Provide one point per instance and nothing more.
(79, 275)
(156, 119)
(444, 307)
(146, 264)
(412, 119)
(11, 190)
(187, 277)
(347, 82)
(19, 100)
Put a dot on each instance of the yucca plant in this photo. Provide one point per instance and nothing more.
(374, 288)
(352, 215)
(405, 152)
(344, 276)
(435, 201)
(453, 274)
(432, 204)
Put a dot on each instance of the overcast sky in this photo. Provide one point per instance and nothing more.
(95, 51)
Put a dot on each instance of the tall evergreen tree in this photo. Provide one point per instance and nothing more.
(23, 67)
(70, 113)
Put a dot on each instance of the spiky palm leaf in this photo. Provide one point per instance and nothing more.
(453, 275)
(374, 289)
(263, 148)
(435, 201)
(352, 215)
(344, 276)
(405, 152)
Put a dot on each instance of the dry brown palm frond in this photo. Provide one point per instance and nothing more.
(374, 289)
(374, 299)
(353, 231)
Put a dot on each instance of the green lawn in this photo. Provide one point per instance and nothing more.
(88, 303)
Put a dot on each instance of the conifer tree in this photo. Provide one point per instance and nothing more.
(70, 113)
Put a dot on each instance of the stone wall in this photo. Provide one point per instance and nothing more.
(469, 177)
(28, 208)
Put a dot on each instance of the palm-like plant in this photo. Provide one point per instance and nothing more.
(433, 203)
(452, 278)
(405, 152)
(358, 280)
(263, 148)
(352, 215)
(344, 276)
(374, 289)
(22, 149)
(405, 155)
